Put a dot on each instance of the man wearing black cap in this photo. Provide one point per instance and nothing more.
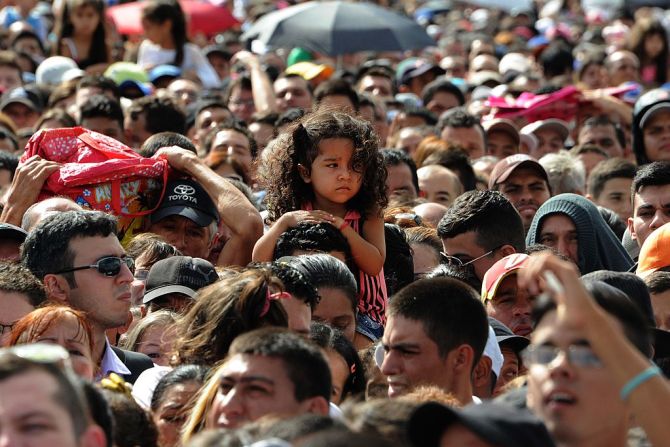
(524, 182)
(173, 282)
(188, 218)
(486, 425)
(22, 106)
(511, 346)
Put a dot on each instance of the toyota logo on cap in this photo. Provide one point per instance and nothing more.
(184, 190)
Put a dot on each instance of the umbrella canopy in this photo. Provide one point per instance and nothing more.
(201, 17)
(339, 27)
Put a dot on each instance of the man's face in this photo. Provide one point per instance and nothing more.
(570, 398)
(241, 103)
(465, 247)
(220, 65)
(417, 83)
(616, 196)
(135, 130)
(411, 358)
(399, 181)
(292, 92)
(439, 185)
(22, 115)
(602, 136)
(558, 231)
(30, 415)
(527, 191)
(335, 310)
(105, 126)
(376, 85)
(209, 118)
(441, 102)
(14, 307)
(470, 138)
(512, 306)
(105, 299)
(252, 386)
(549, 141)
(510, 369)
(501, 144)
(235, 144)
(651, 209)
(184, 91)
(656, 135)
(189, 238)
(9, 78)
(660, 302)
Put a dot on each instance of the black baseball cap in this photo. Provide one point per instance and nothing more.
(506, 337)
(178, 274)
(500, 425)
(12, 232)
(185, 197)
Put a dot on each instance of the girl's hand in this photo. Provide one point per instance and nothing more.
(293, 218)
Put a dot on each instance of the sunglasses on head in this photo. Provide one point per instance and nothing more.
(108, 266)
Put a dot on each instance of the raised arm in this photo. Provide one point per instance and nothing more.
(649, 401)
(236, 212)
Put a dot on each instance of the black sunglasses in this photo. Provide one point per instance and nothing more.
(108, 266)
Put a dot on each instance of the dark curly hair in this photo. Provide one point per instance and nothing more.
(286, 190)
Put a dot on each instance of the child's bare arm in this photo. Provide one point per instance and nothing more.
(368, 250)
(265, 246)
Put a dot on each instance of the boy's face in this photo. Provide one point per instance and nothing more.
(9, 78)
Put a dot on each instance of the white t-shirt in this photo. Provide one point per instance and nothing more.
(150, 55)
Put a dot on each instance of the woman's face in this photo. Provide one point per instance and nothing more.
(335, 309)
(653, 45)
(68, 333)
(339, 372)
(170, 415)
(85, 20)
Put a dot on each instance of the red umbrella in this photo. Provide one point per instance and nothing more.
(202, 17)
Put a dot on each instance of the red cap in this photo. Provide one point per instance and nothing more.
(499, 271)
(507, 165)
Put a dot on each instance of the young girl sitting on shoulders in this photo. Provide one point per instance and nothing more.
(81, 34)
(328, 168)
(166, 42)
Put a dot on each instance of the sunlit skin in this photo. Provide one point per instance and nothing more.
(470, 138)
(464, 246)
(602, 136)
(550, 141)
(660, 302)
(339, 370)
(510, 369)
(14, 307)
(512, 306)
(252, 386)
(292, 92)
(170, 415)
(399, 181)
(501, 144)
(651, 209)
(411, 358)
(569, 398)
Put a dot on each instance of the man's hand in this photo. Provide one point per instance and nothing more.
(26, 186)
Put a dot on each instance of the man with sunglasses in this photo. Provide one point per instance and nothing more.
(79, 259)
(478, 229)
(589, 367)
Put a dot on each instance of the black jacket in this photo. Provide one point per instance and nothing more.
(134, 361)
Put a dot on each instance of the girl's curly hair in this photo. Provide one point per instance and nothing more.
(299, 145)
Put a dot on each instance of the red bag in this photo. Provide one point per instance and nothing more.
(101, 173)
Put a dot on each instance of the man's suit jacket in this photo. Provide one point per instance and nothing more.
(134, 361)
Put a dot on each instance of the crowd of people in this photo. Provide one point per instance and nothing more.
(463, 244)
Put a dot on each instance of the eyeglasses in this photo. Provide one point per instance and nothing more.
(108, 266)
(141, 274)
(457, 262)
(578, 355)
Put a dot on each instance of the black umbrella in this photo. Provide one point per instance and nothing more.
(339, 27)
